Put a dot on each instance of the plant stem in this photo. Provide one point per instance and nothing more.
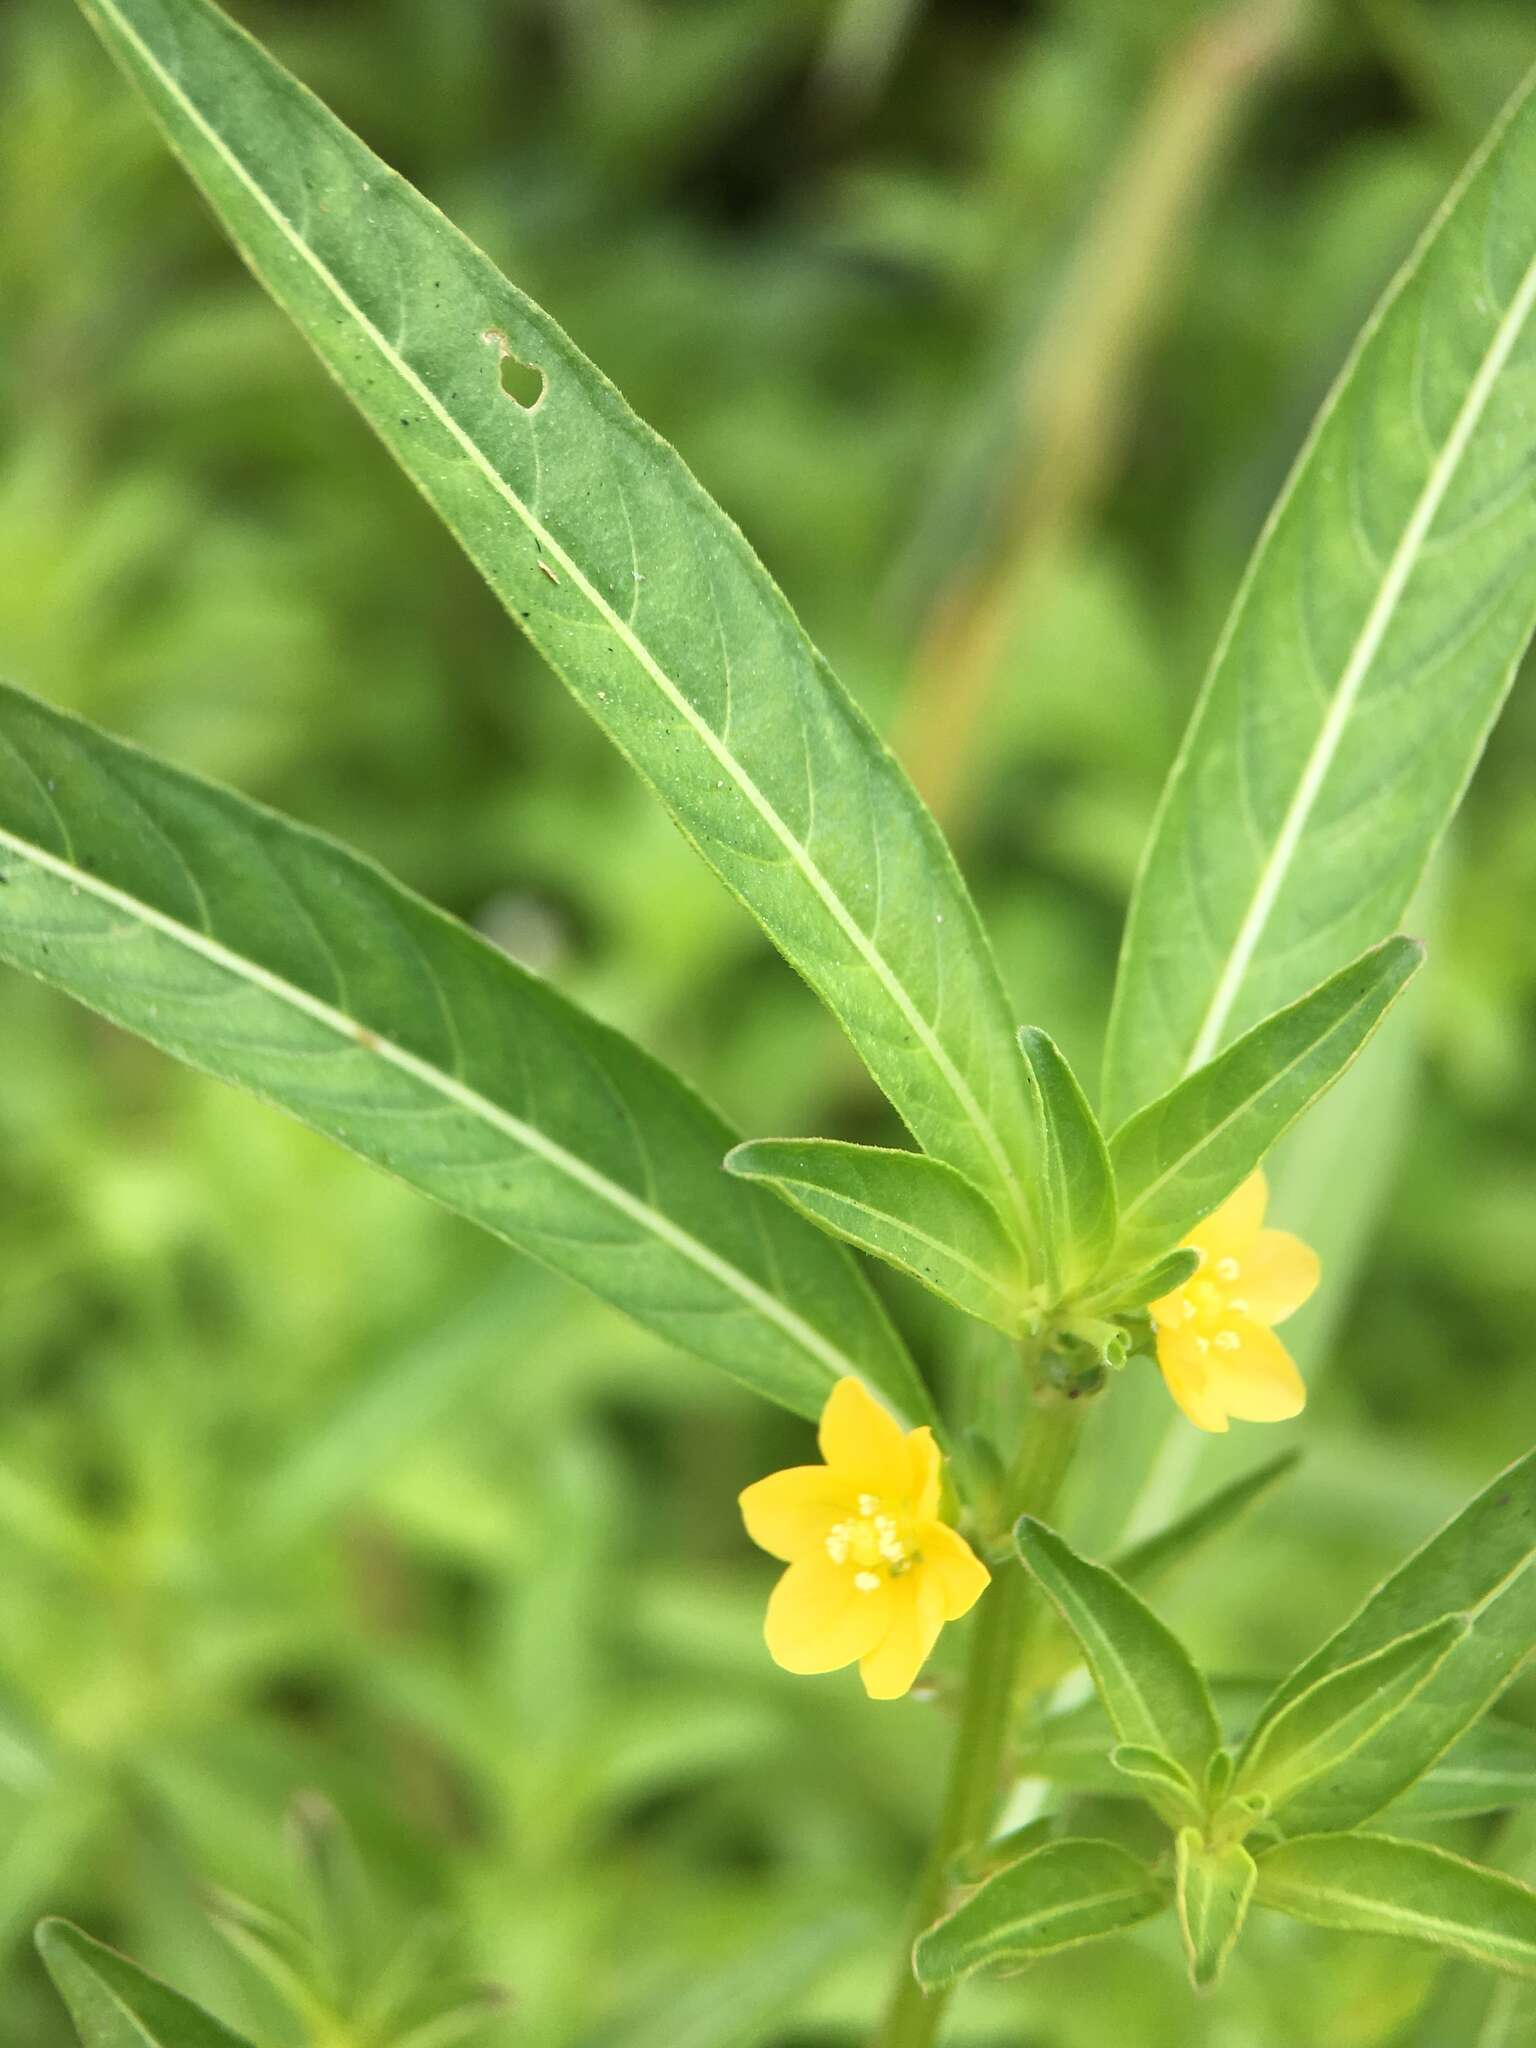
(986, 1712)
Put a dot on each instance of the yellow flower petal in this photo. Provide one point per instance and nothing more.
(1229, 1231)
(1278, 1275)
(917, 1616)
(1258, 1382)
(955, 1568)
(819, 1620)
(925, 1466)
(1168, 1310)
(862, 1441)
(789, 1513)
(1188, 1375)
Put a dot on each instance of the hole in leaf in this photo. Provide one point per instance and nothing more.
(524, 383)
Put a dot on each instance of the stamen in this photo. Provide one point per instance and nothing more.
(867, 1582)
(838, 1540)
(1227, 1340)
(868, 1504)
(1238, 1306)
(1202, 1345)
(1228, 1270)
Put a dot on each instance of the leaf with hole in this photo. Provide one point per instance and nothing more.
(1183, 1155)
(1054, 1898)
(270, 957)
(1154, 1696)
(115, 2004)
(1374, 1884)
(1370, 647)
(630, 581)
(914, 1211)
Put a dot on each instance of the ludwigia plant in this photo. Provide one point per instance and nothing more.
(1391, 597)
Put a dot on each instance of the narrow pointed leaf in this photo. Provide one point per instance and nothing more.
(914, 1211)
(1493, 1765)
(270, 957)
(1214, 1890)
(1480, 1565)
(1077, 1183)
(1370, 647)
(1184, 1154)
(1145, 1562)
(630, 581)
(1054, 1898)
(1154, 1696)
(1316, 1734)
(1374, 1884)
(1151, 1283)
(115, 2004)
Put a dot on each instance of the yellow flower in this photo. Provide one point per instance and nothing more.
(1214, 1342)
(873, 1573)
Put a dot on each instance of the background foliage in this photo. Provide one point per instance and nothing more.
(996, 327)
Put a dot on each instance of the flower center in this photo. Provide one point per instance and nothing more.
(874, 1541)
(1210, 1300)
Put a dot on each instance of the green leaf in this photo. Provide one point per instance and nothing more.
(1493, 1765)
(749, 1997)
(1479, 1565)
(1367, 655)
(270, 957)
(1184, 1154)
(1315, 1734)
(1054, 1898)
(630, 581)
(1373, 1884)
(1168, 1547)
(914, 1211)
(1077, 1183)
(115, 2004)
(1166, 1786)
(1154, 1696)
(1214, 1888)
(1162, 1277)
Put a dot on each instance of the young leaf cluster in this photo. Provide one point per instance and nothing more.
(1278, 1818)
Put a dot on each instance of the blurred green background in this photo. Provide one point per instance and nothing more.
(995, 323)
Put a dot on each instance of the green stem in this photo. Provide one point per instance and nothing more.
(986, 1711)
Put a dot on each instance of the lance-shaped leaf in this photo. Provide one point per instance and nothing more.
(1315, 1734)
(1154, 1696)
(270, 957)
(115, 2004)
(1493, 1765)
(1077, 1184)
(1370, 648)
(914, 1211)
(1214, 1890)
(1151, 1283)
(1054, 1898)
(1374, 1884)
(1479, 1565)
(1143, 1563)
(626, 576)
(1184, 1154)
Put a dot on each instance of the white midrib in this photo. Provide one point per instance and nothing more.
(795, 848)
(473, 1104)
(1361, 658)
